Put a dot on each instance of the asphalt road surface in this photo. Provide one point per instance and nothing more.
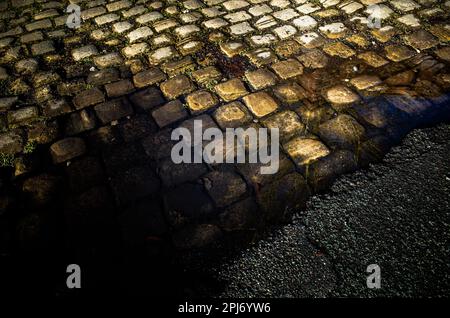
(395, 214)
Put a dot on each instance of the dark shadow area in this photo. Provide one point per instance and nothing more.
(126, 250)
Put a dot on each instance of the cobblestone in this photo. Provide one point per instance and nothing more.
(260, 104)
(67, 149)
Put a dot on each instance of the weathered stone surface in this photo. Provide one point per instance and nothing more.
(260, 104)
(314, 59)
(22, 115)
(108, 60)
(201, 101)
(334, 30)
(177, 86)
(169, 113)
(92, 12)
(314, 116)
(136, 49)
(161, 55)
(139, 34)
(113, 110)
(285, 31)
(87, 98)
(107, 18)
(27, 66)
(119, 88)
(358, 40)
(215, 23)
(265, 22)
(305, 23)
(262, 57)
(380, 113)
(373, 59)
(207, 122)
(42, 48)
(342, 132)
(11, 142)
(3, 74)
(67, 149)
(147, 99)
(398, 53)
(261, 78)
(304, 151)
(341, 95)
(84, 52)
(421, 40)
(288, 48)
(56, 107)
(241, 29)
(287, 122)
(43, 132)
(365, 81)
(232, 115)
(373, 150)
(224, 187)
(102, 77)
(7, 102)
(400, 79)
(265, 39)
(288, 69)
(339, 49)
(311, 40)
(405, 5)
(45, 78)
(231, 90)
(121, 27)
(149, 17)
(165, 25)
(207, 75)
(181, 66)
(444, 53)
(232, 48)
(289, 93)
(384, 34)
(38, 25)
(79, 122)
(148, 77)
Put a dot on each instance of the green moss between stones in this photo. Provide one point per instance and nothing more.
(30, 147)
(6, 160)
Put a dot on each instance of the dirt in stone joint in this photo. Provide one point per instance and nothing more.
(233, 67)
(86, 114)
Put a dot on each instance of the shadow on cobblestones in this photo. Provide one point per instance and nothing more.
(86, 117)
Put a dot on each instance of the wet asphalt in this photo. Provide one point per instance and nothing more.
(395, 214)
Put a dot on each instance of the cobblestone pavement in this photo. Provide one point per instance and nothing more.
(86, 114)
